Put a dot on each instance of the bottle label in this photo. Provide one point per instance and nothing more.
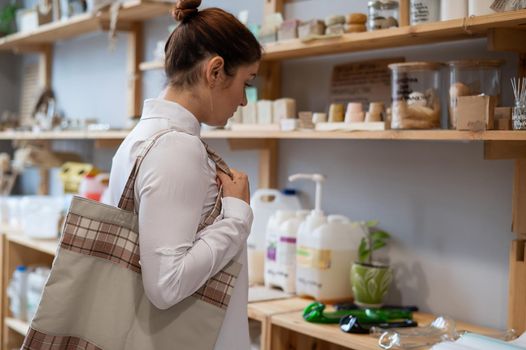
(313, 258)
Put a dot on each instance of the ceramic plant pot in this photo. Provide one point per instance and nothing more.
(370, 283)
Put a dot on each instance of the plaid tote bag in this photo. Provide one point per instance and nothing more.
(94, 297)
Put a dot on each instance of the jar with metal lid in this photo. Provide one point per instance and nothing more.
(470, 78)
(382, 14)
(415, 94)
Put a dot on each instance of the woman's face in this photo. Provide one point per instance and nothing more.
(230, 93)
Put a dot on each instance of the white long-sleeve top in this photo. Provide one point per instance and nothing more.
(174, 190)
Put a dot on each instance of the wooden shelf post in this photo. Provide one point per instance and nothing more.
(135, 57)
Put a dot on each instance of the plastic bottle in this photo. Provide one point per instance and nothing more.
(272, 237)
(17, 293)
(264, 203)
(326, 247)
(92, 186)
(285, 277)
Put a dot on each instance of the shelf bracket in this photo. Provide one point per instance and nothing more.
(268, 158)
(497, 150)
(507, 39)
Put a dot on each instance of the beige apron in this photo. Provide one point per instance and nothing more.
(94, 297)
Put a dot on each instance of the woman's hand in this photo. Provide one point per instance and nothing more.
(236, 187)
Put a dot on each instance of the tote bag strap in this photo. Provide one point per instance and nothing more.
(127, 200)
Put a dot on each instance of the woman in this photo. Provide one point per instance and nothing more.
(210, 58)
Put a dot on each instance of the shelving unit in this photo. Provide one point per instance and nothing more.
(401, 135)
(282, 325)
(136, 10)
(290, 331)
(20, 250)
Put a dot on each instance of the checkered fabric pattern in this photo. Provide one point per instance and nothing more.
(217, 290)
(120, 245)
(38, 340)
(103, 240)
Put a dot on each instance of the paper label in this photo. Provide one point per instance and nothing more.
(313, 258)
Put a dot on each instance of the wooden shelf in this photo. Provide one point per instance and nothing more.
(47, 246)
(64, 135)
(407, 135)
(418, 135)
(49, 33)
(282, 323)
(18, 326)
(153, 65)
(457, 29)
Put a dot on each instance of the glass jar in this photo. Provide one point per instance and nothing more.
(472, 77)
(415, 94)
(519, 116)
(422, 11)
(382, 14)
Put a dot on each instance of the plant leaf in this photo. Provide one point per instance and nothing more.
(380, 235)
(372, 223)
(378, 244)
(363, 252)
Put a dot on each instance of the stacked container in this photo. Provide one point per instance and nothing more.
(415, 94)
(470, 78)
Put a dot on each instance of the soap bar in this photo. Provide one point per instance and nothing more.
(313, 27)
(264, 112)
(336, 113)
(288, 30)
(354, 107)
(354, 117)
(250, 114)
(355, 28)
(332, 20)
(319, 118)
(289, 124)
(284, 108)
(336, 29)
(356, 18)
(306, 120)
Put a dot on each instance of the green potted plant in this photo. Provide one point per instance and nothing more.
(7, 19)
(370, 279)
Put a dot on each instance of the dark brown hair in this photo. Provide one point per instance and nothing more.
(201, 34)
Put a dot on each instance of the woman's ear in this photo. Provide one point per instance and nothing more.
(214, 70)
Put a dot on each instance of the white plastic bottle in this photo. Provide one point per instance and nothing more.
(272, 237)
(286, 252)
(17, 292)
(264, 203)
(326, 247)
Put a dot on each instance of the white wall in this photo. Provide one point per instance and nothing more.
(448, 209)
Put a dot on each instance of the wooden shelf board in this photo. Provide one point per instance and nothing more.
(426, 33)
(332, 333)
(64, 135)
(140, 10)
(47, 246)
(136, 10)
(153, 65)
(408, 135)
(420, 135)
(260, 310)
(52, 32)
(18, 326)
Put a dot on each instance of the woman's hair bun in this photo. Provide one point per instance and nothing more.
(185, 9)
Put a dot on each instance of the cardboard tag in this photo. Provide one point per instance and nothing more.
(475, 113)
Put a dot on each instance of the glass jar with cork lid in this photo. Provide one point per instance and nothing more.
(415, 94)
(471, 78)
(382, 14)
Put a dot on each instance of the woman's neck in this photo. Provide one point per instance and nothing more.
(189, 99)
